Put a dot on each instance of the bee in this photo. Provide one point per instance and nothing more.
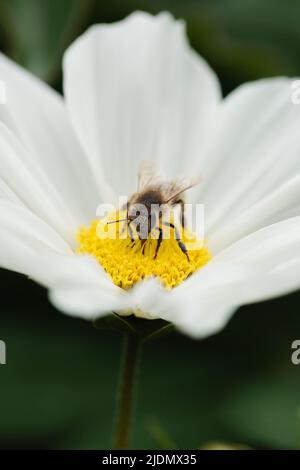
(154, 197)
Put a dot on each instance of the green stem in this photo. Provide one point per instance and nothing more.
(126, 392)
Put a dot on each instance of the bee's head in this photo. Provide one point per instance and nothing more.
(138, 210)
(139, 215)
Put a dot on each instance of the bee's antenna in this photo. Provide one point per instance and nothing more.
(115, 221)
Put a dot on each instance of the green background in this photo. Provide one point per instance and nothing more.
(57, 390)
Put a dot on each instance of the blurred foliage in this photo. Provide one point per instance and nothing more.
(58, 387)
(242, 40)
(223, 446)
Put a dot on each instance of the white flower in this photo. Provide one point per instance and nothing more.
(135, 90)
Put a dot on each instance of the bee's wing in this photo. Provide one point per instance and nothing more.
(173, 189)
(149, 174)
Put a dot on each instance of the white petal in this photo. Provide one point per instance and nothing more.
(264, 265)
(254, 150)
(78, 285)
(87, 302)
(202, 320)
(147, 299)
(201, 317)
(23, 235)
(262, 253)
(135, 91)
(22, 181)
(37, 116)
(267, 248)
(182, 307)
(282, 203)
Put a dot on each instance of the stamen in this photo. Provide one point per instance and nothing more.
(127, 261)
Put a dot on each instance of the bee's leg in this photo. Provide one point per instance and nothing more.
(183, 249)
(131, 233)
(183, 219)
(177, 237)
(159, 240)
(182, 214)
(143, 244)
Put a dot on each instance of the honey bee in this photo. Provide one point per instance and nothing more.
(153, 198)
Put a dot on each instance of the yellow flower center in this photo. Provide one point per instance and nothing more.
(127, 262)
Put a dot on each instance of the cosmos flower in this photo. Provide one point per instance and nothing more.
(134, 91)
